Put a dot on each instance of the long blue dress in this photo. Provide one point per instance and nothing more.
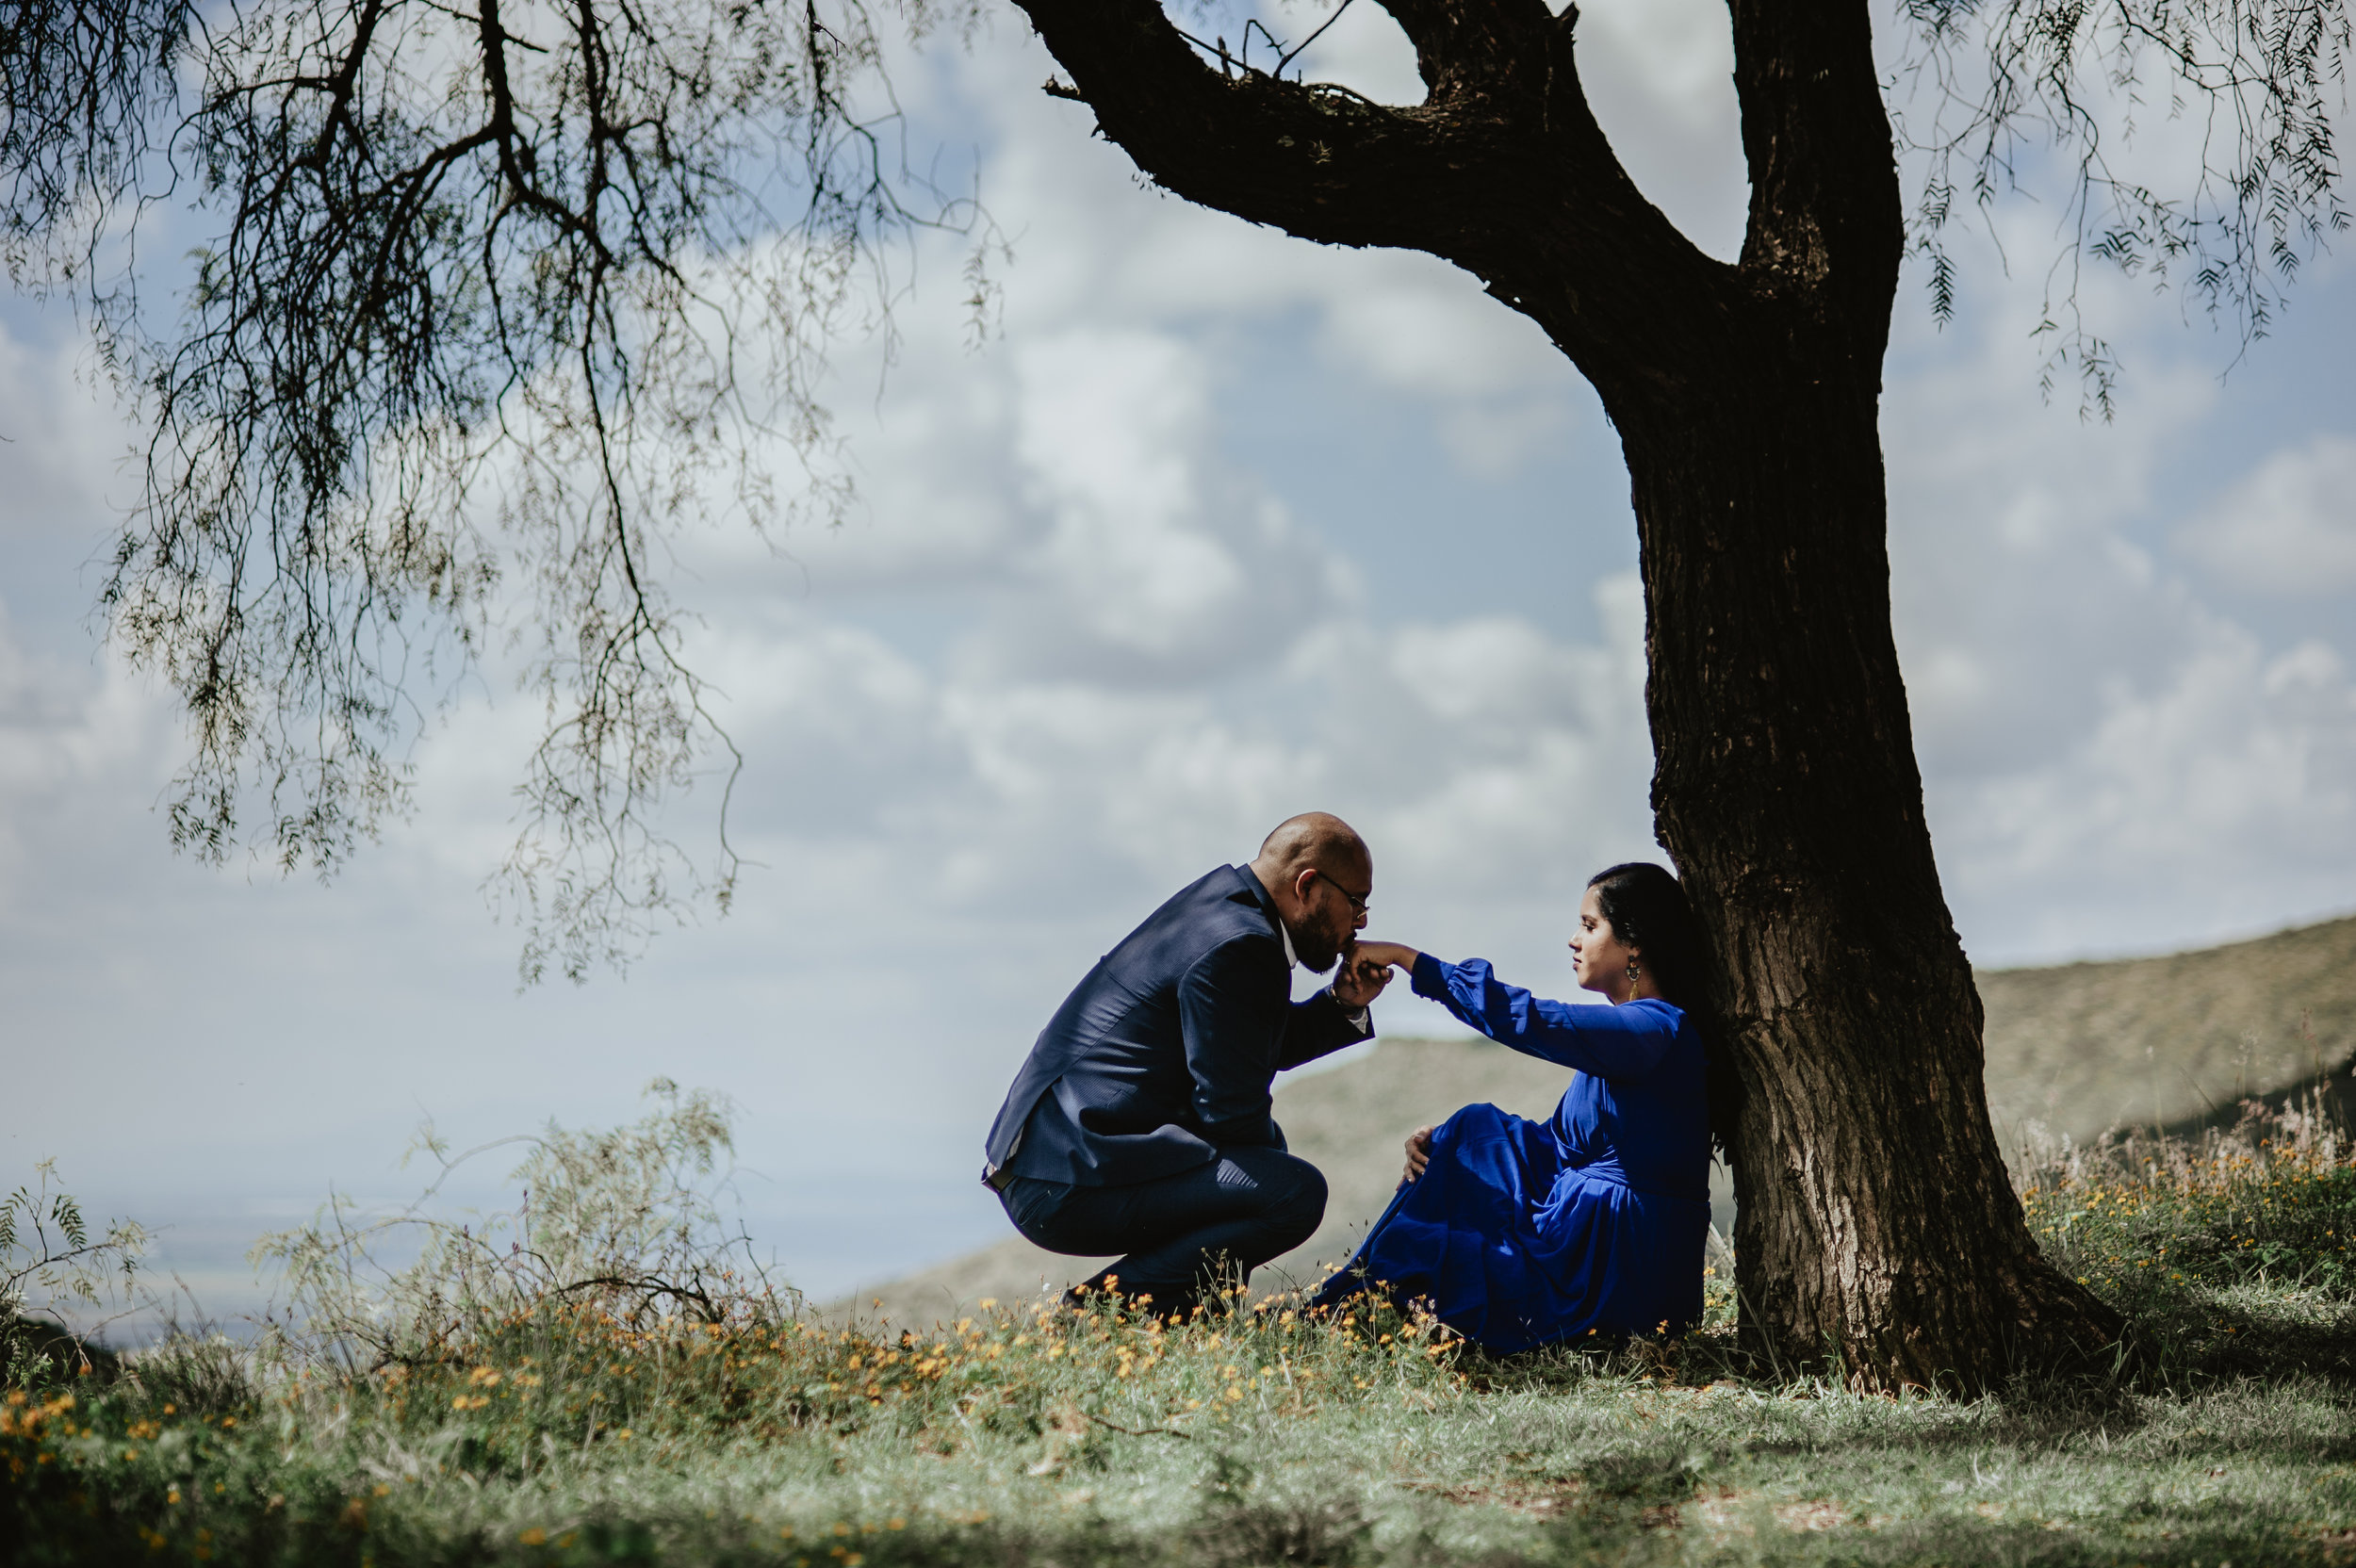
(1521, 1233)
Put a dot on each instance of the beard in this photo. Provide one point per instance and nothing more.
(1317, 948)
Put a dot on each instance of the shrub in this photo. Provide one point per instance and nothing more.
(623, 1223)
(51, 1264)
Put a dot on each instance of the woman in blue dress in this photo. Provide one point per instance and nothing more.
(1519, 1233)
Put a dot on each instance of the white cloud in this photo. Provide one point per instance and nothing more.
(1157, 565)
(1683, 50)
(2180, 794)
(1363, 50)
(1659, 74)
(64, 451)
(1504, 392)
(2289, 528)
(1435, 333)
(2112, 761)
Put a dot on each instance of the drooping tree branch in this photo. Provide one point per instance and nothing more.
(81, 88)
(499, 298)
(1999, 96)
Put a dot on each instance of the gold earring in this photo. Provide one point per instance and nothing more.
(1634, 973)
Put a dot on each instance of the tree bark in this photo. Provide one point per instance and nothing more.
(1877, 1228)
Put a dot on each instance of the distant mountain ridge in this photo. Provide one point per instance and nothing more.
(2072, 1049)
(2167, 1040)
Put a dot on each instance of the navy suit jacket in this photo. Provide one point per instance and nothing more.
(1164, 1053)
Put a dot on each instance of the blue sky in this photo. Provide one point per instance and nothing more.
(1220, 526)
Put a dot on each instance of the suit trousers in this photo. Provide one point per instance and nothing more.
(1242, 1209)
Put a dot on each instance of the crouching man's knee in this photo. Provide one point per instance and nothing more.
(1300, 1208)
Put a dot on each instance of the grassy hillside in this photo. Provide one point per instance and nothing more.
(490, 1405)
(2072, 1050)
(2169, 1040)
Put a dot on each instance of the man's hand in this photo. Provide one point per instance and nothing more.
(1358, 982)
(1418, 1153)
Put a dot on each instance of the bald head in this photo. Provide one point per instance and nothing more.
(1319, 874)
(1317, 839)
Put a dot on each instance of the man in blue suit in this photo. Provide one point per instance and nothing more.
(1140, 1124)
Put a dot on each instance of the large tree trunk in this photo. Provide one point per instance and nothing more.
(1877, 1226)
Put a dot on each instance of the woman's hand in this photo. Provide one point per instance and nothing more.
(1418, 1153)
(1395, 954)
(1367, 968)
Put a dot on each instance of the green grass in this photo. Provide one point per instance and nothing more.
(550, 1429)
(567, 1437)
(2232, 1254)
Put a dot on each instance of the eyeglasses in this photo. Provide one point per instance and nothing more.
(1357, 904)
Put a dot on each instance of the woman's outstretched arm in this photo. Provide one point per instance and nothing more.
(1611, 1042)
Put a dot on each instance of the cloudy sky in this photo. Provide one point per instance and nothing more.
(1220, 526)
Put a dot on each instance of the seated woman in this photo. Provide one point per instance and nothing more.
(1518, 1233)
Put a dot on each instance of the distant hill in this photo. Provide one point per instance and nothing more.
(2171, 1040)
(2076, 1048)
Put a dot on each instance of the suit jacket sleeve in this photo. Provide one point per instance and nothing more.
(1234, 1008)
(1318, 1027)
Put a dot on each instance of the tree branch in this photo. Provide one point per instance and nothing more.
(1502, 169)
(1826, 227)
(1466, 49)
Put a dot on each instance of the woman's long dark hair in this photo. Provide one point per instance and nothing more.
(1648, 912)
